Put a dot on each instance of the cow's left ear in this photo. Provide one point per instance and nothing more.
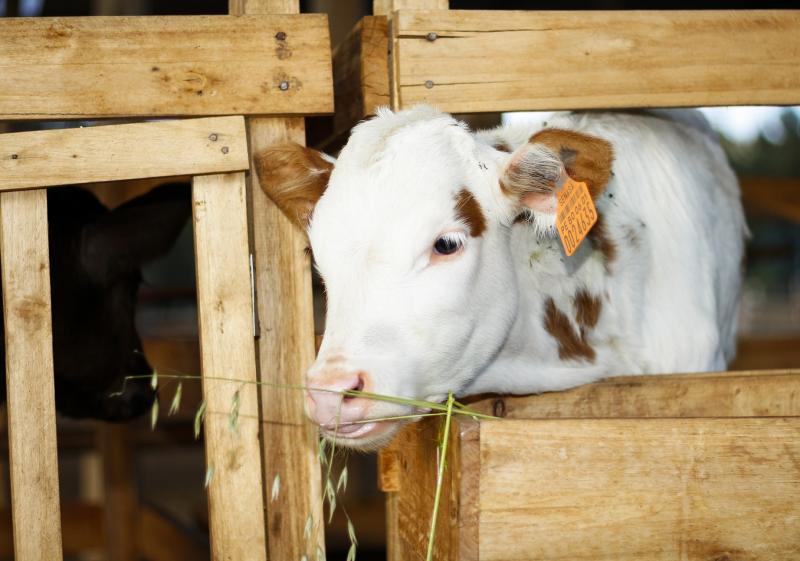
(536, 170)
(294, 177)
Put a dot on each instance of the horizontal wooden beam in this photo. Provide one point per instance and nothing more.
(638, 489)
(478, 61)
(64, 68)
(114, 152)
(770, 393)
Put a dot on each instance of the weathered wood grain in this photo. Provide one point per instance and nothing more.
(513, 61)
(768, 393)
(57, 68)
(121, 503)
(286, 343)
(114, 152)
(412, 460)
(224, 309)
(640, 489)
(29, 376)
(386, 7)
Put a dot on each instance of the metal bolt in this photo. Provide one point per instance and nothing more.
(431, 36)
(429, 84)
(280, 36)
(284, 85)
(212, 137)
(224, 149)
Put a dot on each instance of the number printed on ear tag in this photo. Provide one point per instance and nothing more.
(575, 214)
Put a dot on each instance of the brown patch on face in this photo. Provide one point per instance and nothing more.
(586, 158)
(294, 177)
(469, 211)
(502, 147)
(571, 345)
(601, 241)
(587, 309)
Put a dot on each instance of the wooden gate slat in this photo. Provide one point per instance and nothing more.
(224, 307)
(29, 376)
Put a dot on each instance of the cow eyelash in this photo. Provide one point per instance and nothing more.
(449, 243)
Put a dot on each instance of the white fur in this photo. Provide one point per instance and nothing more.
(474, 322)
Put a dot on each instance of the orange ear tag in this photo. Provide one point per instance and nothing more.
(575, 213)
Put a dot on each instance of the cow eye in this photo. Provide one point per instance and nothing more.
(448, 244)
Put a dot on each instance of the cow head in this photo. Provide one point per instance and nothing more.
(410, 230)
(96, 257)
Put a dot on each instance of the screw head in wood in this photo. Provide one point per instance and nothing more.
(431, 36)
(212, 137)
(280, 36)
(284, 85)
(224, 149)
(499, 408)
(429, 84)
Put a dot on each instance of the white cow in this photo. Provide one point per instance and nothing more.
(444, 271)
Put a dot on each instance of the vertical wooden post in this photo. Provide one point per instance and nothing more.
(121, 505)
(387, 8)
(224, 307)
(29, 376)
(286, 343)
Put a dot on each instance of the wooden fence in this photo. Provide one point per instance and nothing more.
(262, 73)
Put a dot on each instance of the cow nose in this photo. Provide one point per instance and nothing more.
(330, 407)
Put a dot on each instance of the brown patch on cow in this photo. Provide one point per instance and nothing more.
(502, 147)
(294, 177)
(571, 345)
(587, 309)
(586, 158)
(602, 242)
(469, 211)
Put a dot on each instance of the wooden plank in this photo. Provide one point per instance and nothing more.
(412, 458)
(224, 309)
(139, 150)
(29, 376)
(514, 61)
(121, 502)
(62, 68)
(386, 7)
(728, 394)
(83, 529)
(285, 346)
(640, 490)
(779, 196)
(285, 350)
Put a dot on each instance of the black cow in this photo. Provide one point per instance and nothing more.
(95, 271)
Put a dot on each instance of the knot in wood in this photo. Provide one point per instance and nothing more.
(280, 36)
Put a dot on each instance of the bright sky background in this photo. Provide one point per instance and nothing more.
(741, 124)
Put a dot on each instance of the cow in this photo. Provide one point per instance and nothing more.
(444, 272)
(96, 257)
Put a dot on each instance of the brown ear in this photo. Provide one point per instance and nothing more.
(535, 169)
(294, 177)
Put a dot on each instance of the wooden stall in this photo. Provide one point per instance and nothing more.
(157, 67)
(693, 467)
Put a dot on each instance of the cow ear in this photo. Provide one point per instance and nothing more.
(536, 170)
(136, 232)
(294, 177)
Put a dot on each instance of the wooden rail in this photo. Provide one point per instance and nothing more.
(115, 152)
(515, 61)
(63, 68)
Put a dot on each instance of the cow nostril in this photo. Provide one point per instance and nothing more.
(357, 387)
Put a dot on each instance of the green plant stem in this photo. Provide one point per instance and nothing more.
(440, 475)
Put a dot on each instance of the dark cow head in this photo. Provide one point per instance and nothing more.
(95, 261)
